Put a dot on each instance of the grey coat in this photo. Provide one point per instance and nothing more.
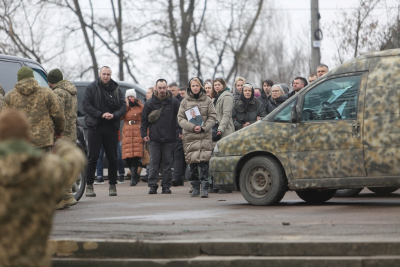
(197, 146)
(240, 117)
(224, 107)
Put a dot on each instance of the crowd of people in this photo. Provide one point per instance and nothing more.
(175, 127)
(171, 128)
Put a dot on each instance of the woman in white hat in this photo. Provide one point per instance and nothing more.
(132, 142)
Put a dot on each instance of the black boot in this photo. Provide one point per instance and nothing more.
(204, 189)
(133, 176)
(196, 188)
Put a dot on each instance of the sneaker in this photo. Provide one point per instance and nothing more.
(153, 190)
(99, 180)
(166, 190)
(121, 179)
(66, 203)
(90, 191)
(112, 190)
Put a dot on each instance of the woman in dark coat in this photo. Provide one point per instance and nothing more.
(278, 96)
(247, 109)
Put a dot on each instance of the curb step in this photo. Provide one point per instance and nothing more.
(222, 253)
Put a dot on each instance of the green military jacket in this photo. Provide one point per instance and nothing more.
(66, 94)
(42, 108)
(31, 183)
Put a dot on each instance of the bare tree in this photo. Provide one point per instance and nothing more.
(21, 25)
(355, 31)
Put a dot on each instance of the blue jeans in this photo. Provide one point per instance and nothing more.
(120, 161)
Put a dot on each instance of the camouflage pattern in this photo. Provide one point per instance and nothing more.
(2, 92)
(1, 102)
(30, 185)
(42, 108)
(66, 94)
(329, 154)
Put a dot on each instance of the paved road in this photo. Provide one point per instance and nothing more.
(135, 214)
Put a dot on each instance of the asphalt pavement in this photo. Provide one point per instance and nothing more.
(134, 214)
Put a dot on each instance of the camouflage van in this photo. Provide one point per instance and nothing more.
(341, 131)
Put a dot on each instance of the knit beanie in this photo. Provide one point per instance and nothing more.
(24, 73)
(55, 76)
(130, 92)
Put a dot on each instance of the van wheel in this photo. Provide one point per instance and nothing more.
(316, 196)
(351, 192)
(263, 181)
(383, 190)
(78, 188)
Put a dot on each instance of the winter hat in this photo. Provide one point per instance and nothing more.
(2, 92)
(55, 76)
(130, 92)
(24, 73)
(14, 125)
(285, 87)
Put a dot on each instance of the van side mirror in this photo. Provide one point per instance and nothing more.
(294, 116)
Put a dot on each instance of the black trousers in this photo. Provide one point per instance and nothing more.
(179, 160)
(107, 136)
(160, 151)
(132, 162)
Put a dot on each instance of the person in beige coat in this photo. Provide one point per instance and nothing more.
(223, 103)
(197, 140)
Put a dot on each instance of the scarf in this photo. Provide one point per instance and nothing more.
(220, 93)
(133, 103)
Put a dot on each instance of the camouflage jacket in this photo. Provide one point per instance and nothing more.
(40, 104)
(66, 94)
(30, 186)
(1, 102)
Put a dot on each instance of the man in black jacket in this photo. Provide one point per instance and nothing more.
(161, 124)
(179, 156)
(104, 105)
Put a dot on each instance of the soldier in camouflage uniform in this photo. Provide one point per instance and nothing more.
(40, 104)
(2, 93)
(30, 184)
(66, 94)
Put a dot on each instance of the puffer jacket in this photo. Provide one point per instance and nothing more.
(66, 94)
(197, 146)
(274, 103)
(132, 142)
(224, 107)
(240, 116)
(42, 108)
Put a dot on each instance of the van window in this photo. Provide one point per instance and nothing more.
(8, 74)
(332, 100)
(285, 114)
(39, 77)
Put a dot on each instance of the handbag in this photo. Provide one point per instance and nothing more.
(215, 137)
(146, 154)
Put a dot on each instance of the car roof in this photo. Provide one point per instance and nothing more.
(126, 85)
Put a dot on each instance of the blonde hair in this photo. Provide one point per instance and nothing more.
(239, 79)
(196, 80)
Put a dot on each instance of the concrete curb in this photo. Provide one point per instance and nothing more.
(142, 249)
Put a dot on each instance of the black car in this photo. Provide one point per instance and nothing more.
(9, 67)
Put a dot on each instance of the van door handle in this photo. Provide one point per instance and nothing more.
(356, 130)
